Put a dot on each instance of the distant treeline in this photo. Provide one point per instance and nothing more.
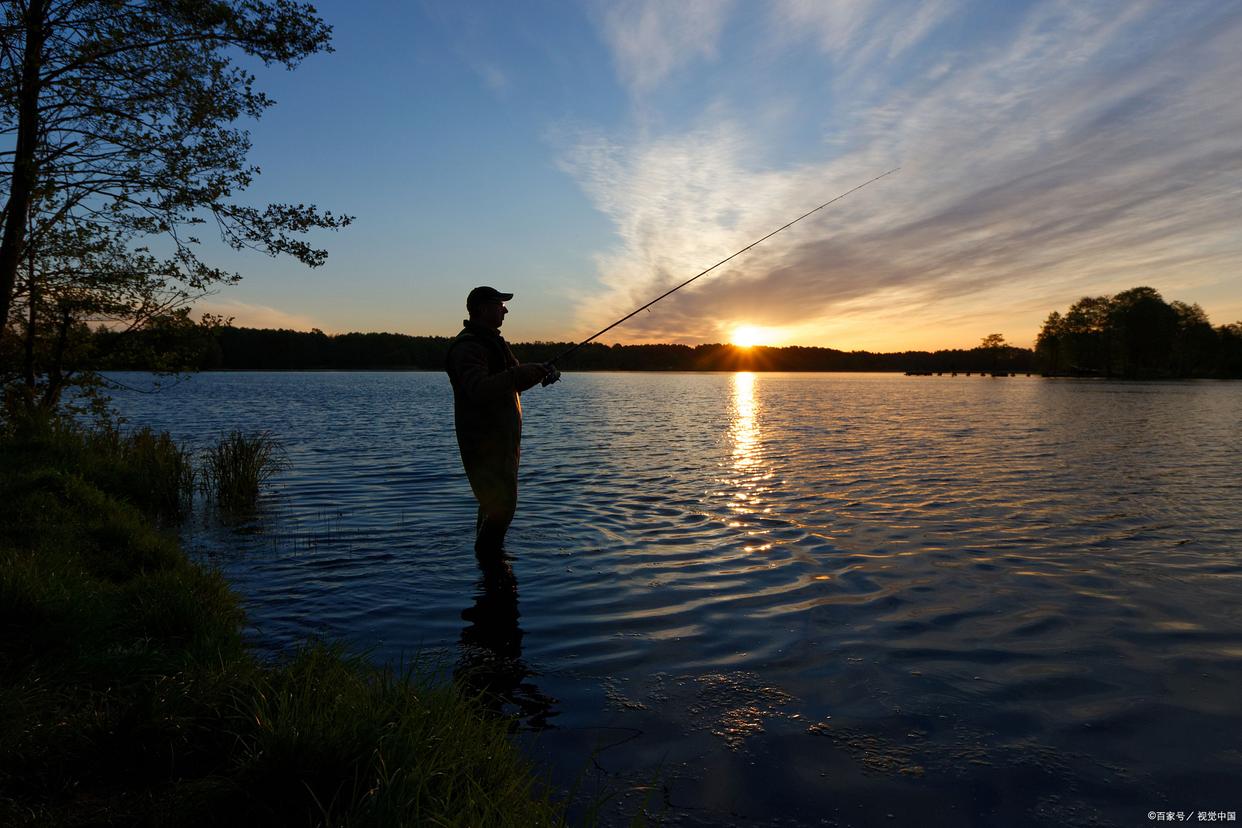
(1136, 334)
(264, 349)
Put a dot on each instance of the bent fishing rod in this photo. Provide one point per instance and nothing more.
(703, 273)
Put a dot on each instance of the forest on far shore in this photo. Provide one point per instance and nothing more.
(229, 348)
(1134, 334)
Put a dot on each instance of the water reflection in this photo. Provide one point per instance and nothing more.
(490, 666)
(747, 479)
(745, 428)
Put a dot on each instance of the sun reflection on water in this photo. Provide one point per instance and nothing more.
(745, 426)
(747, 478)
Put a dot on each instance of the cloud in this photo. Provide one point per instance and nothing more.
(860, 36)
(246, 315)
(1084, 149)
(465, 29)
(651, 39)
(493, 76)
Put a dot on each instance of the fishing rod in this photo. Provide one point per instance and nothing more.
(566, 353)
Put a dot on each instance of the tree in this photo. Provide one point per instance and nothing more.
(1229, 350)
(1137, 334)
(993, 342)
(1087, 335)
(1049, 347)
(1194, 341)
(995, 345)
(76, 275)
(1143, 328)
(119, 115)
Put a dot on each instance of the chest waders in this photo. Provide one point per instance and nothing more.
(489, 436)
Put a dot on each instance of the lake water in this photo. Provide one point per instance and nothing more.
(789, 599)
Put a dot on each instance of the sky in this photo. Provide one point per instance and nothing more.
(588, 156)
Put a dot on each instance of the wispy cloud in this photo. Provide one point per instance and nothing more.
(465, 28)
(493, 76)
(651, 39)
(1086, 149)
(860, 37)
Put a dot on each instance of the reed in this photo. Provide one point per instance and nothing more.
(237, 467)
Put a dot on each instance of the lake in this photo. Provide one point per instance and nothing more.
(787, 599)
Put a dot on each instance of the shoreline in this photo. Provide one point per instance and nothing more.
(132, 698)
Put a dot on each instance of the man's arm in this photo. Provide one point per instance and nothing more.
(468, 362)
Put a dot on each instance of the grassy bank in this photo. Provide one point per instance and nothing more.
(129, 698)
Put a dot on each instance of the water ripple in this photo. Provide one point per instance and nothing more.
(921, 595)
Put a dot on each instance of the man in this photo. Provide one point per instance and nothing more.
(487, 412)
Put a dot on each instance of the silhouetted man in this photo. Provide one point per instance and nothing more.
(487, 380)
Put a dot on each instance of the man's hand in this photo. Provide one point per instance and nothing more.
(528, 374)
(552, 375)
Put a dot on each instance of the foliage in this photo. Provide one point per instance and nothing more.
(996, 346)
(130, 699)
(993, 342)
(235, 469)
(121, 118)
(1137, 334)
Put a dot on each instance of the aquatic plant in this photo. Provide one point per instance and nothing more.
(237, 467)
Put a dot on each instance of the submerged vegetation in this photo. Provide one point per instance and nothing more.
(130, 698)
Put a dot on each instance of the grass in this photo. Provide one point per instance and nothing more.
(130, 699)
(235, 469)
(143, 467)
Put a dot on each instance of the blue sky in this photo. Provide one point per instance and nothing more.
(588, 156)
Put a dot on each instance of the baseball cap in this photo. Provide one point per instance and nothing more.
(482, 294)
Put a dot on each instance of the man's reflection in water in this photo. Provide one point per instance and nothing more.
(490, 665)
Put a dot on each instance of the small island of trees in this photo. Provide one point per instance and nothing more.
(1136, 334)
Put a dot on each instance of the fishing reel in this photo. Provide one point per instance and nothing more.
(552, 375)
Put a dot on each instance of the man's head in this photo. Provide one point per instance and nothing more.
(486, 305)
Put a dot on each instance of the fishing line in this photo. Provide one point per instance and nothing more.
(718, 264)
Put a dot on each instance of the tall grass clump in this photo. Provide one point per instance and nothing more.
(159, 471)
(146, 468)
(334, 740)
(235, 469)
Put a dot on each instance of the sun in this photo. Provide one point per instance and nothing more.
(746, 336)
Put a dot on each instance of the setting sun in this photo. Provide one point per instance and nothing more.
(744, 336)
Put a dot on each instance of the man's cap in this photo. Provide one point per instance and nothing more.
(482, 294)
